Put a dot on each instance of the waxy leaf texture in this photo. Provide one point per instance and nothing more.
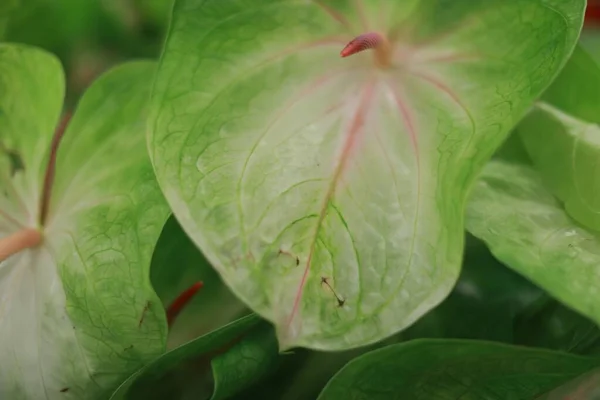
(329, 192)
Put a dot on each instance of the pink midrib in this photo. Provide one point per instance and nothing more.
(349, 144)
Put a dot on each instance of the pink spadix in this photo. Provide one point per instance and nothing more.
(370, 41)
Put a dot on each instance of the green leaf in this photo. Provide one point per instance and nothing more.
(526, 228)
(158, 379)
(77, 313)
(57, 26)
(568, 159)
(6, 9)
(288, 165)
(250, 360)
(576, 90)
(176, 265)
(452, 369)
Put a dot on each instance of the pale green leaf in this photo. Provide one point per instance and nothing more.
(77, 313)
(527, 229)
(329, 192)
(566, 124)
(454, 369)
(566, 152)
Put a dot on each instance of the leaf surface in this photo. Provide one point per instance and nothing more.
(550, 240)
(567, 125)
(328, 192)
(454, 369)
(526, 228)
(252, 359)
(77, 313)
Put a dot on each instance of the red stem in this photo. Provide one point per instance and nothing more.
(181, 301)
(592, 13)
(51, 168)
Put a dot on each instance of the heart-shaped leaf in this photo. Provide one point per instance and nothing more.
(329, 192)
(77, 312)
(454, 369)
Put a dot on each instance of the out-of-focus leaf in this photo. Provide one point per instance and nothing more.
(255, 357)
(512, 207)
(453, 369)
(158, 12)
(329, 192)
(566, 152)
(566, 125)
(170, 375)
(176, 265)
(484, 303)
(590, 41)
(547, 323)
(304, 373)
(6, 9)
(526, 228)
(55, 25)
(576, 91)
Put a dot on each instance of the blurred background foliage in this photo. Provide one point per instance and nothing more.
(489, 302)
(88, 36)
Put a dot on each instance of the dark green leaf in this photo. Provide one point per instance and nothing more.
(253, 358)
(454, 369)
(163, 377)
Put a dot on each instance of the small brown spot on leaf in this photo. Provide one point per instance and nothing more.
(64, 390)
(144, 311)
(289, 254)
(340, 300)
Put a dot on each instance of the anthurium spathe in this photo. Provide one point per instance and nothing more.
(329, 191)
(80, 213)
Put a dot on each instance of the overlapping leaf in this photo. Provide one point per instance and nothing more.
(513, 208)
